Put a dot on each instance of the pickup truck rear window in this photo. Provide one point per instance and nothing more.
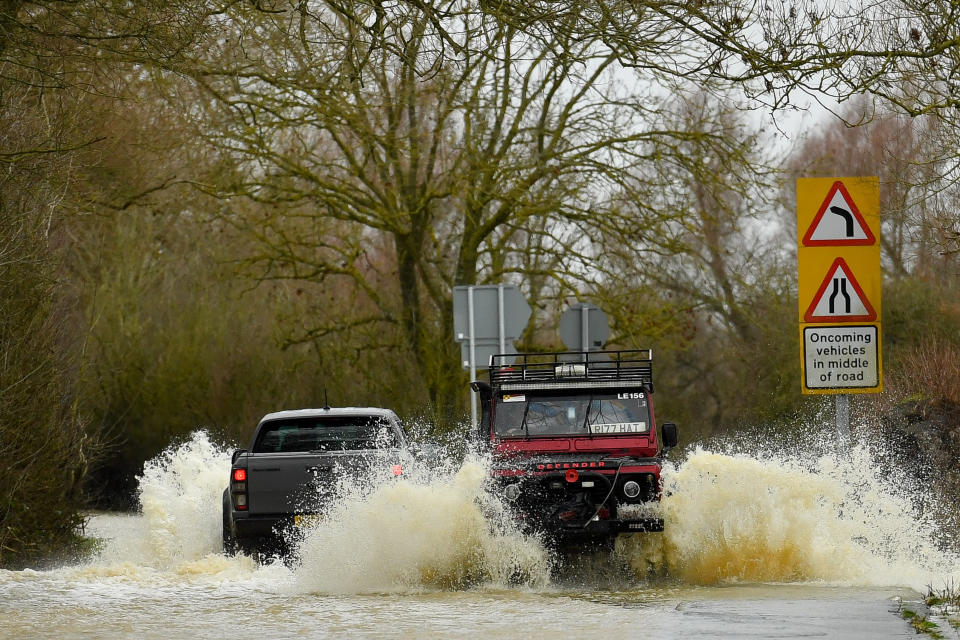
(340, 433)
(527, 415)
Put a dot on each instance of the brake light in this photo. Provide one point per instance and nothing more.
(238, 487)
(572, 475)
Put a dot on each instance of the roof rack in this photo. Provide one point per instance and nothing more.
(573, 368)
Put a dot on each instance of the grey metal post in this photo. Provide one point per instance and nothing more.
(584, 328)
(843, 420)
(503, 337)
(473, 359)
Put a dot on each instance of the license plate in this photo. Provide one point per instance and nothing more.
(305, 520)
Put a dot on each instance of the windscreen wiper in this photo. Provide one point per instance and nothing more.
(586, 415)
(523, 423)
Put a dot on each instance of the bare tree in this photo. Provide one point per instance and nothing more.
(773, 49)
(711, 288)
(917, 185)
(459, 165)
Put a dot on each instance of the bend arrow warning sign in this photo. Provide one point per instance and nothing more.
(840, 298)
(838, 222)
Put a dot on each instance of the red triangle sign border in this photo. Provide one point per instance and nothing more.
(871, 314)
(808, 240)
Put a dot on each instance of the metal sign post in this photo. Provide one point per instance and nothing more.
(473, 357)
(584, 327)
(500, 320)
(842, 406)
(486, 321)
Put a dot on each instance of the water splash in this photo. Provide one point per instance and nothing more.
(433, 528)
(777, 518)
(730, 517)
(439, 530)
(179, 495)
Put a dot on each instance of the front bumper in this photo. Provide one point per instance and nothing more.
(585, 503)
(613, 527)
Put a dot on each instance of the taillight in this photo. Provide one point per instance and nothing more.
(572, 475)
(397, 469)
(238, 488)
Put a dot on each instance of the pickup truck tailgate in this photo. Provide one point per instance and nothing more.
(285, 483)
(290, 482)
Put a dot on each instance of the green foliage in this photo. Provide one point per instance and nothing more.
(921, 624)
(178, 344)
(45, 447)
(735, 379)
(43, 443)
(916, 310)
(944, 604)
(921, 341)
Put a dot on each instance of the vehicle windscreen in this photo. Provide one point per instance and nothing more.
(340, 433)
(526, 415)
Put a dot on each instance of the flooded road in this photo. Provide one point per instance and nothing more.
(755, 547)
(260, 606)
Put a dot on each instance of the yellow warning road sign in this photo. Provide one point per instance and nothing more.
(839, 282)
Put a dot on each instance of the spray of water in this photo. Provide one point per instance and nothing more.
(179, 495)
(758, 517)
(436, 529)
(776, 518)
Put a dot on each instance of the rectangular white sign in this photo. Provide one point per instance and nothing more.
(840, 357)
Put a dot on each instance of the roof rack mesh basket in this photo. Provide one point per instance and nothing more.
(633, 366)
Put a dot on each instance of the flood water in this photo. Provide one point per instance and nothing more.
(756, 546)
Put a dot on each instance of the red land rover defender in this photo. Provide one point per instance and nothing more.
(574, 441)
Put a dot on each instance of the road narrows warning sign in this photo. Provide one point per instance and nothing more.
(838, 222)
(840, 298)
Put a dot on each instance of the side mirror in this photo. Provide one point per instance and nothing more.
(236, 454)
(669, 433)
(486, 399)
(480, 387)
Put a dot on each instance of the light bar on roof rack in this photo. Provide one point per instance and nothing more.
(571, 370)
(573, 384)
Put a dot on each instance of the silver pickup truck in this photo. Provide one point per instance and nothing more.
(291, 469)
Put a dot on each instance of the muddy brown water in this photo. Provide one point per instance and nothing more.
(755, 547)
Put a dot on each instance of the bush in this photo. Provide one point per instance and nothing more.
(929, 370)
(44, 447)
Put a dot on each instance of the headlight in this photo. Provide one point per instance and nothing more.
(511, 492)
(631, 489)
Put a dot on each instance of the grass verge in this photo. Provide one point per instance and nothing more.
(943, 605)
